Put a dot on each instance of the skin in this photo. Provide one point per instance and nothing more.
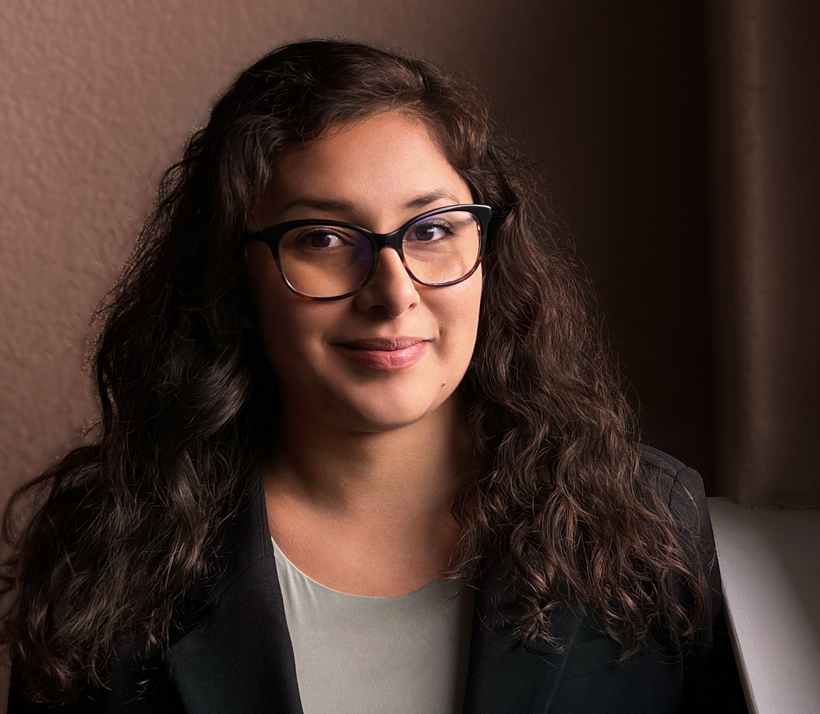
(360, 485)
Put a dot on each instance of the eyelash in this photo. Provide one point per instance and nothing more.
(444, 226)
(303, 239)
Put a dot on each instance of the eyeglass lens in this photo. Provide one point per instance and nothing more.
(328, 261)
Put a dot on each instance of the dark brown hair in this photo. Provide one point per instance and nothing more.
(122, 527)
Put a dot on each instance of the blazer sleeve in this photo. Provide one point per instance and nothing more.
(711, 679)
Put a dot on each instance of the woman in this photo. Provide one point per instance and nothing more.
(361, 446)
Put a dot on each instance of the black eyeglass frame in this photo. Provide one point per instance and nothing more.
(272, 236)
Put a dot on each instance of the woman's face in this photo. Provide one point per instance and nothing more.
(378, 174)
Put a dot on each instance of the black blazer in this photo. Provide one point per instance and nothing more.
(233, 653)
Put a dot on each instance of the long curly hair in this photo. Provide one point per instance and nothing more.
(121, 528)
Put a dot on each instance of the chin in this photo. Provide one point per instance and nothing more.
(378, 421)
(387, 414)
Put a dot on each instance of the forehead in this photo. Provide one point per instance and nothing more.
(388, 160)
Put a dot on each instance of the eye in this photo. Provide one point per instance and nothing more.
(429, 232)
(320, 238)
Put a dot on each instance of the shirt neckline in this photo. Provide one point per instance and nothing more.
(438, 582)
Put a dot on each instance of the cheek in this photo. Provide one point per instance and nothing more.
(278, 325)
(460, 317)
(285, 332)
(471, 301)
(295, 332)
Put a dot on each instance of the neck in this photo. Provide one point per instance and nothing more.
(368, 512)
(410, 471)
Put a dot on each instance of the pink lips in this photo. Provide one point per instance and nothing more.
(379, 353)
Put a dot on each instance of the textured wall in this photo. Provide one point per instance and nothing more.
(97, 97)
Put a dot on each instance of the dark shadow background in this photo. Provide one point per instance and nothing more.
(629, 169)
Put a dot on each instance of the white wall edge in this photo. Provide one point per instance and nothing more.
(770, 568)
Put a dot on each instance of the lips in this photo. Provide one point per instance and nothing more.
(382, 354)
(384, 344)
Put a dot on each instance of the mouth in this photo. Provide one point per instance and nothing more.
(385, 354)
(383, 344)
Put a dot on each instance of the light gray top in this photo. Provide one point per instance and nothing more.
(360, 654)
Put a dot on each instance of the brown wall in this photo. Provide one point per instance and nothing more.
(765, 157)
(96, 99)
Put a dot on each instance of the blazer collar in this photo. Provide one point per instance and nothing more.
(234, 653)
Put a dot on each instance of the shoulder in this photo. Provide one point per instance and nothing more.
(681, 489)
(680, 486)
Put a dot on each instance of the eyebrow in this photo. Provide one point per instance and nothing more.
(431, 197)
(332, 204)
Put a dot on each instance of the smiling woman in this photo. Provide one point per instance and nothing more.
(362, 447)
(371, 377)
(378, 168)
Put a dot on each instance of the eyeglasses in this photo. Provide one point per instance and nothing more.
(331, 260)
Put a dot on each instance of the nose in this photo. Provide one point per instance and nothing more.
(390, 286)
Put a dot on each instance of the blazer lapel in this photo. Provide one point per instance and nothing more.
(239, 657)
(502, 677)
